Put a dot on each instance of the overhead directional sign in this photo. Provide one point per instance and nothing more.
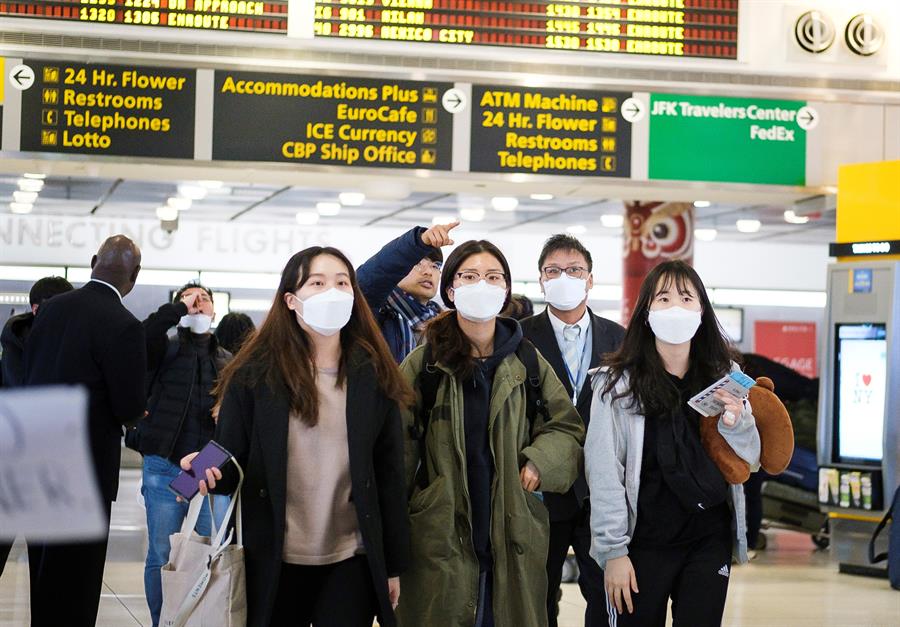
(549, 131)
(122, 110)
(331, 121)
(21, 77)
(732, 140)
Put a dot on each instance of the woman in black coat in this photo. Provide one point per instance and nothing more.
(310, 412)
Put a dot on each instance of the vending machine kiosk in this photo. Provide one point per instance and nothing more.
(859, 406)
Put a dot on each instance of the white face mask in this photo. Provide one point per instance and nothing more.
(197, 323)
(328, 312)
(675, 325)
(479, 302)
(565, 293)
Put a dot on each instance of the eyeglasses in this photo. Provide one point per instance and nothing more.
(574, 272)
(491, 278)
(427, 264)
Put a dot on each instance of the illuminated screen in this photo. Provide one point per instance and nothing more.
(860, 385)
(215, 15)
(674, 28)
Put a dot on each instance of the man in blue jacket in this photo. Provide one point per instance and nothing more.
(399, 282)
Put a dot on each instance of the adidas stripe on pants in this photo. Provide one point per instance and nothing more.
(695, 576)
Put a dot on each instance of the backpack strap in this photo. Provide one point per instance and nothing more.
(427, 381)
(534, 397)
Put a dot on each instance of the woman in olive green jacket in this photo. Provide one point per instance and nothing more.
(479, 529)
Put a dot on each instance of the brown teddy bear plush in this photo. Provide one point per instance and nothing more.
(776, 435)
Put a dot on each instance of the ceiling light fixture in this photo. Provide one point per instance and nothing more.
(612, 220)
(194, 192)
(352, 199)
(791, 217)
(34, 175)
(700, 204)
(328, 209)
(306, 218)
(166, 213)
(31, 185)
(177, 202)
(21, 207)
(541, 197)
(705, 235)
(472, 214)
(25, 197)
(504, 203)
(748, 226)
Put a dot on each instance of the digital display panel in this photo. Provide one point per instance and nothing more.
(860, 386)
(208, 15)
(671, 28)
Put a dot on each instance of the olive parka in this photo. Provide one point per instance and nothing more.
(440, 588)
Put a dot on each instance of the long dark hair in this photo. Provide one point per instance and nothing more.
(281, 351)
(449, 344)
(649, 386)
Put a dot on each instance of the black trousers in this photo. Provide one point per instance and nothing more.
(575, 532)
(336, 595)
(66, 581)
(695, 576)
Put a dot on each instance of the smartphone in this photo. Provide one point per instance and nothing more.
(186, 485)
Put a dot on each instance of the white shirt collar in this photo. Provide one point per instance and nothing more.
(559, 325)
(112, 287)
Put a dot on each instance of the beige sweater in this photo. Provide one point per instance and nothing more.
(320, 520)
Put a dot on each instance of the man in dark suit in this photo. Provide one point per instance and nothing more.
(87, 337)
(573, 339)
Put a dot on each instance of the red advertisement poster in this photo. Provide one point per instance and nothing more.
(790, 343)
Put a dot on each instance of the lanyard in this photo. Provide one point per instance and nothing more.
(578, 382)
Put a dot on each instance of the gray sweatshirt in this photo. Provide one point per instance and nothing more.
(612, 455)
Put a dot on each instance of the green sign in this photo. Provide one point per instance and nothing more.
(732, 140)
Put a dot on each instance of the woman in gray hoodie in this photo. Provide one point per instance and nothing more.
(664, 522)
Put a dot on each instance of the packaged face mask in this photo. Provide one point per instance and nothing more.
(479, 302)
(197, 323)
(675, 325)
(565, 293)
(328, 312)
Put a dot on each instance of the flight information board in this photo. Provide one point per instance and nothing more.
(331, 120)
(109, 110)
(549, 131)
(209, 15)
(674, 28)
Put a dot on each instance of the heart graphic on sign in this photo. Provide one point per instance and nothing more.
(867, 379)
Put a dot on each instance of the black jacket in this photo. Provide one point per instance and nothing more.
(606, 337)
(88, 337)
(173, 382)
(253, 426)
(15, 332)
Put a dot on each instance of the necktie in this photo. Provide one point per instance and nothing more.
(572, 355)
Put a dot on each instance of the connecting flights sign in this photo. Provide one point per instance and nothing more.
(159, 112)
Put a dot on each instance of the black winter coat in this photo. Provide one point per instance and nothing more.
(253, 426)
(606, 337)
(12, 339)
(87, 337)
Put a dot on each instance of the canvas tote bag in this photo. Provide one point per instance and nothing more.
(203, 583)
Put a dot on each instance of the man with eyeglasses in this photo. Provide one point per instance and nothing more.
(573, 340)
(399, 282)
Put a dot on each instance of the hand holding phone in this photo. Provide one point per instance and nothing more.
(200, 471)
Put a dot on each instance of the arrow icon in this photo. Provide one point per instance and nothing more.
(21, 77)
(633, 110)
(454, 100)
(807, 118)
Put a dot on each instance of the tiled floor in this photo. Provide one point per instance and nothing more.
(788, 585)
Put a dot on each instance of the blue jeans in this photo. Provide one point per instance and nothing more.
(165, 516)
